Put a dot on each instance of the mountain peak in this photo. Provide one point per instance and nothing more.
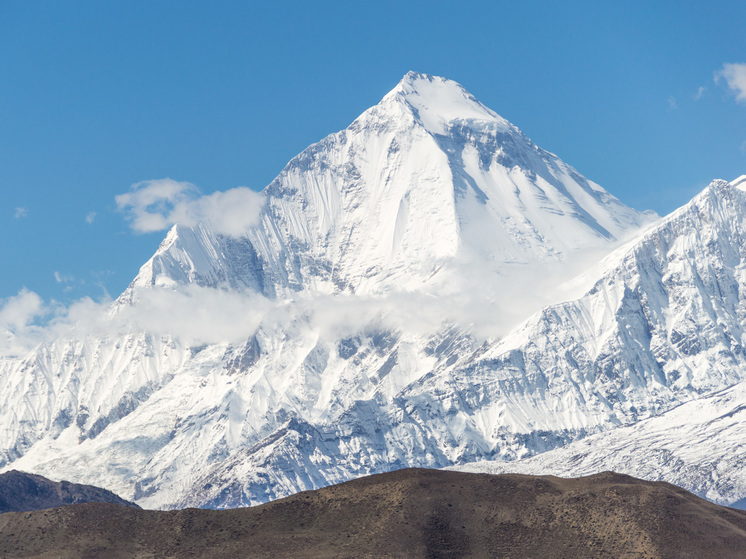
(437, 102)
(427, 177)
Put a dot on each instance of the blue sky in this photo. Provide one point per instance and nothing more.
(97, 96)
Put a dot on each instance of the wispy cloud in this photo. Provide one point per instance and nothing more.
(486, 301)
(700, 93)
(194, 315)
(672, 103)
(156, 205)
(61, 278)
(16, 313)
(18, 329)
(735, 77)
(90, 217)
(20, 213)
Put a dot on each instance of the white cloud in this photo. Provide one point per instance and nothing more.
(486, 302)
(672, 103)
(156, 205)
(16, 313)
(700, 93)
(489, 301)
(735, 76)
(20, 213)
(18, 316)
(90, 217)
(196, 315)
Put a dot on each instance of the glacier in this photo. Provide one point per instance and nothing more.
(424, 288)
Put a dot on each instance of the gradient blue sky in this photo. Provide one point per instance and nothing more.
(96, 96)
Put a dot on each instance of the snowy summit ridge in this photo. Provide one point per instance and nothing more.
(404, 278)
(438, 102)
(418, 183)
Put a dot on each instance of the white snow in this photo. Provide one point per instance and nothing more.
(439, 102)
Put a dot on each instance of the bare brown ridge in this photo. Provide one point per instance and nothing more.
(21, 491)
(407, 513)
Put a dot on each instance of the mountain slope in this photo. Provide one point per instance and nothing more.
(408, 513)
(697, 445)
(663, 325)
(689, 319)
(664, 322)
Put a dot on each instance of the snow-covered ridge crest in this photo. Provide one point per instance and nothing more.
(739, 183)
(439, 102)
(667, 315)
(199, 255)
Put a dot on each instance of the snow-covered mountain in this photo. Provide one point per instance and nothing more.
(698, 445)
(426, 178)
(396, 266)
(683, 320)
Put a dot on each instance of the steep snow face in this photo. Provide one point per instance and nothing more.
(669, 316)
(664, 324)
(420, 183)
(80, 387)
(698, 446)
(199, 255)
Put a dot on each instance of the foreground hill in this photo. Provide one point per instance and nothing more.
(407, 513)
(20, 491)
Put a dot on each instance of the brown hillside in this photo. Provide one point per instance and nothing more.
(409, 513)
(20, 491)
